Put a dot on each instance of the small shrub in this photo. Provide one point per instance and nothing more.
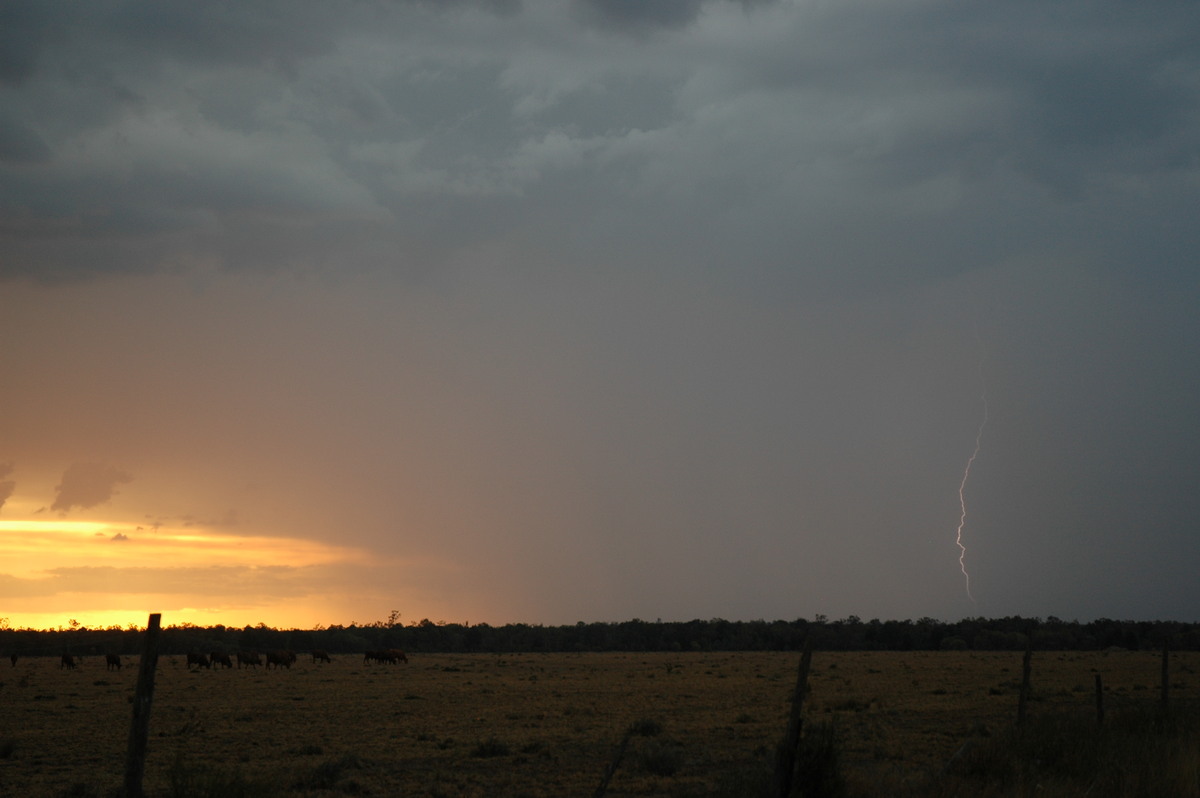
(308, 750)
(853, 704)
(187, 780)
(646, 727)
(1136, 753)
(326, 775)
(489, 748)
(659, 757)
(749, 781)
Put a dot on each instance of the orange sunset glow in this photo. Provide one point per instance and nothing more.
(100, 574)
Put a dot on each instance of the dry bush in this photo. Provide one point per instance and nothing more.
(1139, 752)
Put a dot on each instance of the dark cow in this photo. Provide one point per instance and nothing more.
(113, 661)
(68, 661)
(321, 656)
(13, 657)
(249, 659)
(199, 660)
(387, 656)
(280, 659)
(217, 658)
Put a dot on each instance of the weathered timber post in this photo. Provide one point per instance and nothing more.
(785, 756)
(139, 727)
(1023, 696)
(1166, 674)
(609, 771)
(1099, 701)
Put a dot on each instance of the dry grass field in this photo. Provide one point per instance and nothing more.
(530, 724)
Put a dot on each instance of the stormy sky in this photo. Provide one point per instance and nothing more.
(561, 310)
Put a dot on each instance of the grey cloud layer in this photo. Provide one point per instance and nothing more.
(627, 308)
(86, 485)
(162, 135)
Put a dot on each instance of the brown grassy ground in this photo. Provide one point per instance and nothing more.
(530, 725)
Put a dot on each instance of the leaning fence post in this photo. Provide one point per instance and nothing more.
(1166, 668)
(1023, 696)
(611, 770)
(139, 728)
(785, 757)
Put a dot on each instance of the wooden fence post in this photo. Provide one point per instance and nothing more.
(1166, 675)
(1023, 697)
(1099, 701)
(139, 728)
(613, 765)
(785, 757)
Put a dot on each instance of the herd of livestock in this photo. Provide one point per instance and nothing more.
(246, 659)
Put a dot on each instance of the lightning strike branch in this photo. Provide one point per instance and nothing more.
(962, 486)
(962, 502)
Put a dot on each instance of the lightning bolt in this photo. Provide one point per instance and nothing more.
(962, 486)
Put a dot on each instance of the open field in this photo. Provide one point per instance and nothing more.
(532, 724)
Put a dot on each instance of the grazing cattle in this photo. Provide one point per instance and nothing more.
(113, 661)
(321, 656)
(388, 656)
(249, 659)
(217, 658)
(199, 660)
(13, 657)
(280, 659)
(68, 662)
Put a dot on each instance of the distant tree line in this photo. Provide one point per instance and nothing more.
(847, 634)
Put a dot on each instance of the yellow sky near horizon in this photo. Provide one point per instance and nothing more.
(114, 573)
(32, 546)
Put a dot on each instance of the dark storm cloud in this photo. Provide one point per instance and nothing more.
(20, 144)
(1096, 85)
(24, 28)
(413, 134)
(260, 32)
(634, 15)
(86, 485)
